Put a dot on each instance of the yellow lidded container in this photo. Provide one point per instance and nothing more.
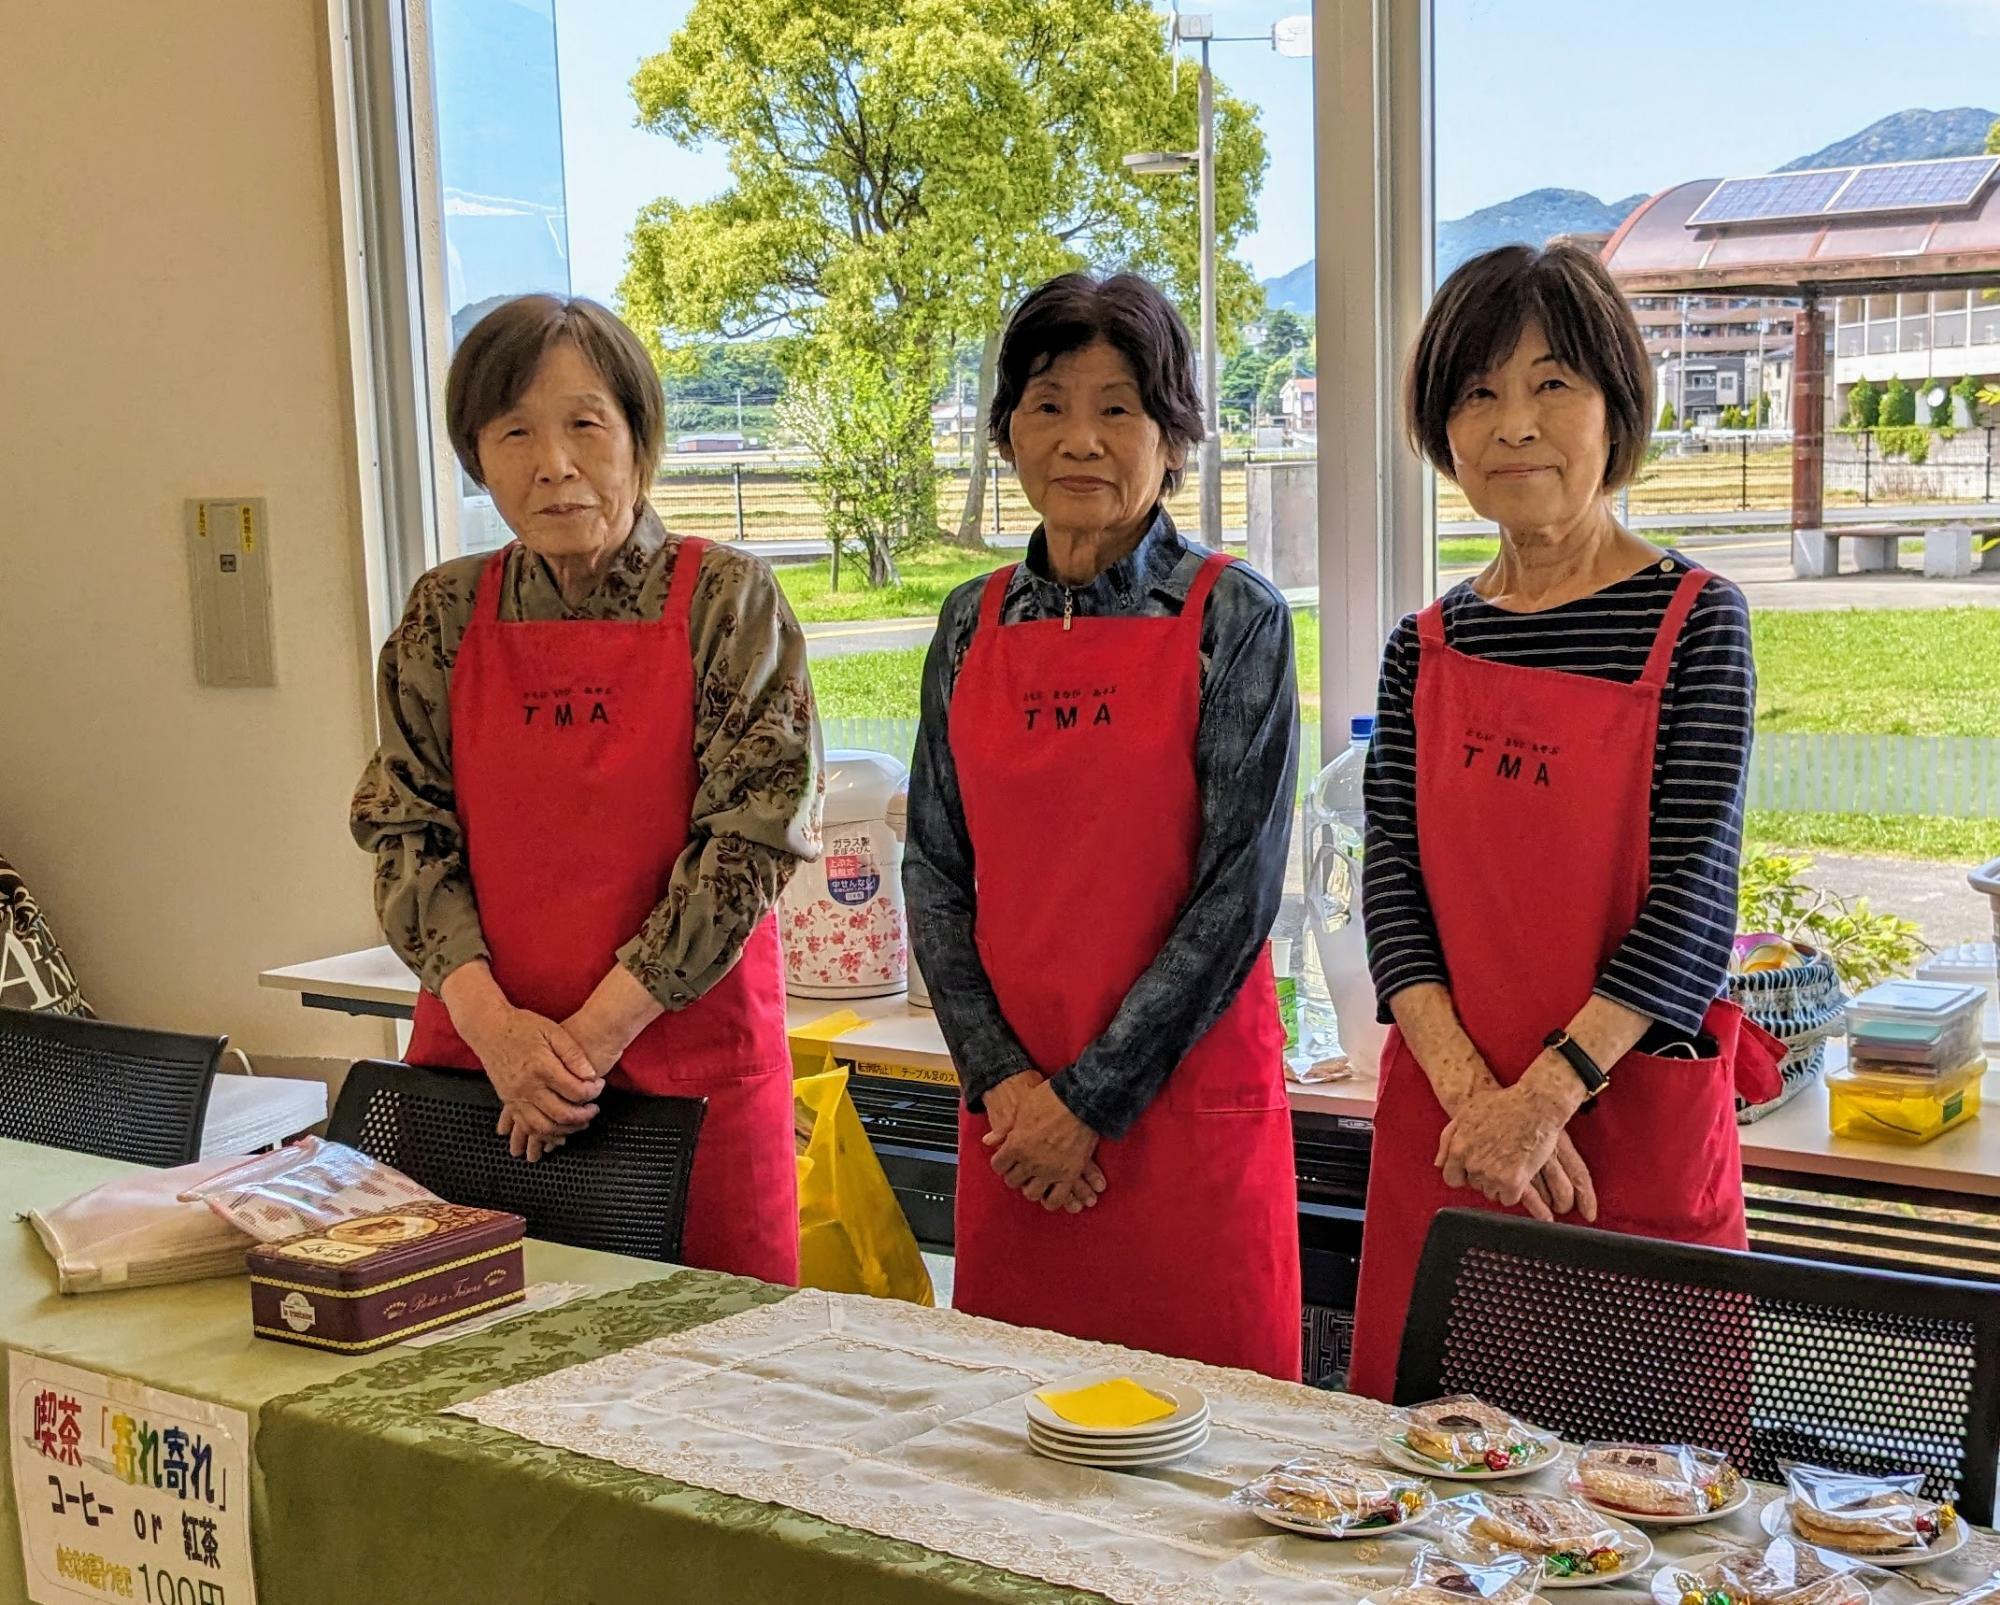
(1887, 1107)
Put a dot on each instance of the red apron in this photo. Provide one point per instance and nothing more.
(573, 758)
(1075, 755)
(1534, 814)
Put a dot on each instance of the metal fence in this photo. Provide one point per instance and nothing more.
(1926, 776)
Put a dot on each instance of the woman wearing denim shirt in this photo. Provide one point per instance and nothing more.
(1100, 813)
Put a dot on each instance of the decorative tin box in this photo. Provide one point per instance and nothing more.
(377, 1279)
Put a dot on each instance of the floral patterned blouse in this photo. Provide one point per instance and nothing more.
(756, 812)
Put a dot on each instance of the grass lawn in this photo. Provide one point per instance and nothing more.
(1956, 841)
(929, 576)
(1904, 672)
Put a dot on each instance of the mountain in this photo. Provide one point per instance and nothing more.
(1904, 136)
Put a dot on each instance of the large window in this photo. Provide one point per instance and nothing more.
(1876, 748)
(819, 354)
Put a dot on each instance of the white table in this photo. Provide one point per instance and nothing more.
(246, 1113)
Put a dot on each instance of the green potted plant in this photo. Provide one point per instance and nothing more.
(1802, 952)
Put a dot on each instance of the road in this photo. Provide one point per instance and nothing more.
(1761, 564)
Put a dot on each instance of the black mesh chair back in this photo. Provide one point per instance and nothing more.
(117, 1090)
(619, 1185)
(1597, 1335)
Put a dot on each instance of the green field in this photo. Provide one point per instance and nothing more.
(1902, 672)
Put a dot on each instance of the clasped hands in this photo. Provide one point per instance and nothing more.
(1511, 1145)
(548, 1074)
(1040, 1149)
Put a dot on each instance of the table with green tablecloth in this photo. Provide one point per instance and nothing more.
(363, 1492)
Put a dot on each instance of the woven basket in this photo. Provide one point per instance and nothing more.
(1802, 1007)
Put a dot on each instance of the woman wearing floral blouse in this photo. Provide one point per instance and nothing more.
(598, 768)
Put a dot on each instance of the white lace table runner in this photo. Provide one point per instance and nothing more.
(909, 1423)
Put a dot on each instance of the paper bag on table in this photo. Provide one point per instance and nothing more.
(853, 1237)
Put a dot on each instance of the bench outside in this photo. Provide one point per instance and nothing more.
(1950, 550)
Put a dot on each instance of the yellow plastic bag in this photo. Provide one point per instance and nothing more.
(853, 1237)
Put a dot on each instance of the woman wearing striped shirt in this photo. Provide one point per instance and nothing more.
(1555, 809)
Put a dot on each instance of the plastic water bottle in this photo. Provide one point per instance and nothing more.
(1333, 978)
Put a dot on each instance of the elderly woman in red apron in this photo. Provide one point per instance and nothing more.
(598, 768)
(1099, 816)
(1555, 809)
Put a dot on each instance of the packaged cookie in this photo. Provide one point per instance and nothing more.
(1655, 1481)
(1336, 1498)
(1464, 1434)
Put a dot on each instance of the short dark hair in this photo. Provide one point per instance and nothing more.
(1075, 310)
(499, 354)
(1475, 321)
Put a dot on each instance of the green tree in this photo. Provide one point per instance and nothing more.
(1284, 333)
(902, 171)
(1668, 421)
(1967, 391)
(1899, 405)
(1864, 405)
(1760, 416)
(1993, 139)
(1242, 377)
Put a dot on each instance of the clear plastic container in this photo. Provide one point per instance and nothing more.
(1970, 964)
(1895, 1107)
(1915, 1028)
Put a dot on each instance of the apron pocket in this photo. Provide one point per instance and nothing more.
(1661, 1147)
(1236, 1081)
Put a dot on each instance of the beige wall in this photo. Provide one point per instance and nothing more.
(171, 273)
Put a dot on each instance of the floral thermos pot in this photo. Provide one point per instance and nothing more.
(842, 917)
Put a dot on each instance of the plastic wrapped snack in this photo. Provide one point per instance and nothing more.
(139, 1230)
(1337, 1497)
(1566, 1535)
(1782, 1573)
(1467, 1434)
(1436, 1579)
(1865, 1515)
(304, 1187)
(1654, 1479)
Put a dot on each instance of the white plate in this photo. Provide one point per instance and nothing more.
(1155, 1446)
(1640, 1518)
(1404, 1458)
(1633, 1545)
(1311, 1529)
(1115, 1460)
(1159, 1441)
(1153, 1434)
(1667, 1589)
(1189, 1407)
(1777, 1521)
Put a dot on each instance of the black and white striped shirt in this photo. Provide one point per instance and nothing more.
(1673, 962)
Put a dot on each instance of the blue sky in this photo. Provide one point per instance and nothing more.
(1609, 96)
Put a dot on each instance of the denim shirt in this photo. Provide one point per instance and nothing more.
(1246, 764)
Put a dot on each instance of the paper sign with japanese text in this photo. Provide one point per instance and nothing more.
(125, 1492)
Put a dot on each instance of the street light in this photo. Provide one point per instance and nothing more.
(1291, 36)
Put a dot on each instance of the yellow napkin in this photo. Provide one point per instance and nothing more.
(1121, 1402)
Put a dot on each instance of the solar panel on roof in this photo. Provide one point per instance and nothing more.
(1943, 185)
(1774, 196)
(1916, 186)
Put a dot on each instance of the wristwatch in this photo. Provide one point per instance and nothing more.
(1587, 1070)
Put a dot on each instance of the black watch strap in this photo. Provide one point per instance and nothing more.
(1587, 1069)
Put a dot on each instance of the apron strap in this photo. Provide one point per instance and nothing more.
(992, 594)
(1662, 654)
(486, 599)
(680, 587)
(1204, 582)
(1430, 625)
